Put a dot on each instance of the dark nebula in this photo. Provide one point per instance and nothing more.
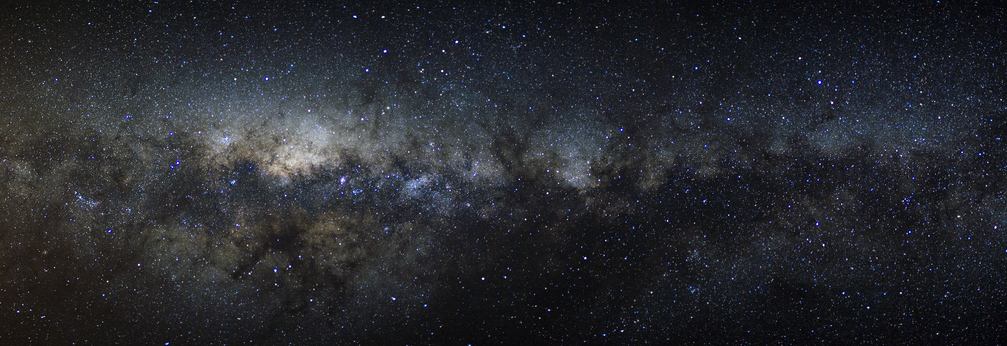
(254, 172)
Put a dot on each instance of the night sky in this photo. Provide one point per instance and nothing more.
(253, 172)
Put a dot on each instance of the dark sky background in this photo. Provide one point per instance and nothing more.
(525, 173)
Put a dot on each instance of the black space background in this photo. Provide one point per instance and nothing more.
(255, 172)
